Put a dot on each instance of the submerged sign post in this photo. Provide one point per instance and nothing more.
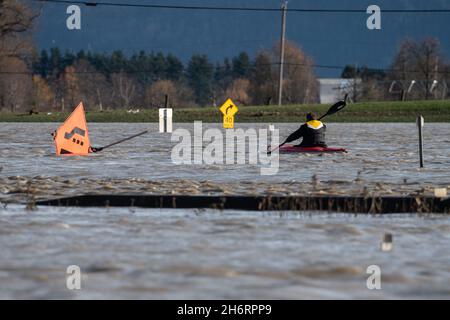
(228, 109)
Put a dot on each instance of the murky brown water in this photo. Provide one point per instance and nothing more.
(136, 253)
(383, 158)
(205, 254)
(380, 152)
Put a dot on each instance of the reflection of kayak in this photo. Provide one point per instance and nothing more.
(293, 149)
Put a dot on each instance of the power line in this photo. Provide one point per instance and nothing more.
(254, 9)
(150, 71)
(304, 65)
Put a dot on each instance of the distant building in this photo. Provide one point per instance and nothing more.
(333, 90)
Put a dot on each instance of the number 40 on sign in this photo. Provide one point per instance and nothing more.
(228, 109)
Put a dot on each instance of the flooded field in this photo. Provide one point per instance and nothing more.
(205, 254)
(136, 253)
(382, 158)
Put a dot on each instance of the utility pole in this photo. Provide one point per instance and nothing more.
(283, 38)
(436, 75)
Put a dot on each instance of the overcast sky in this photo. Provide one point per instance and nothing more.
(332, 39)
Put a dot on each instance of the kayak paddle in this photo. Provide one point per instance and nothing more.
(333, 109)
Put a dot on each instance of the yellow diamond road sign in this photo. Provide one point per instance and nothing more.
(229, 108)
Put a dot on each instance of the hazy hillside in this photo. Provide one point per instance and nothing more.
(331, 38)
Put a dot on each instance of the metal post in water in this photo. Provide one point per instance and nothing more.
(165, 120)
(166, 104)
(387, 243)
(420, 123)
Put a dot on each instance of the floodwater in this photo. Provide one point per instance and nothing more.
(206, 254)
(382, 158)
(379, 152)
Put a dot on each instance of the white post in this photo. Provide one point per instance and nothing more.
(165, 120)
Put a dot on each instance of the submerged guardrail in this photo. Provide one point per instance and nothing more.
(328, 203)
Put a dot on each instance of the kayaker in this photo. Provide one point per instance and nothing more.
(312, 132)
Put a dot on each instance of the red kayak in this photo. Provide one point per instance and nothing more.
(293, 149)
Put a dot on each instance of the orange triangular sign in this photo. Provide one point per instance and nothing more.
(72, 138)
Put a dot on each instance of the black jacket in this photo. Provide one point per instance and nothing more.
(312, 132)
